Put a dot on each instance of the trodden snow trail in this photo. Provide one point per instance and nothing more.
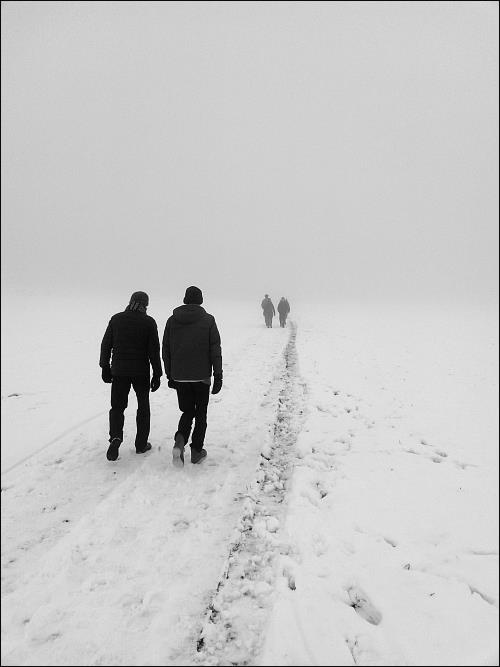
(115, 563)
(235, 621)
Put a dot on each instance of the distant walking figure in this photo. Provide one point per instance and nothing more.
(132, 339)
(268, 310)
(191, 350)
(283, 310)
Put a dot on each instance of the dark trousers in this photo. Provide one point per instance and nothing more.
(193, 403)
(268, 319)
(282, 320)
(120, 389)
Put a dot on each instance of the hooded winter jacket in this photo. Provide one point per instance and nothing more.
(191, 346)
(132, 338)
(283, 307)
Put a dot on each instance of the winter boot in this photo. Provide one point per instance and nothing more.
(114, 446)
(178, 451)
(196, 456)
(142, 450)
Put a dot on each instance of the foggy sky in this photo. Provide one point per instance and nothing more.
(338, 149)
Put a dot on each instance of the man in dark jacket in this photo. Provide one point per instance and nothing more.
(268, 310)
(132, 338)
(191, 351)
(283, 310)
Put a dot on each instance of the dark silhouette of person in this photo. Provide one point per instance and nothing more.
(268, 310)
(131, 339)
(191, 350)
(283, 310)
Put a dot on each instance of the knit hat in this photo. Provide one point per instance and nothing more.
(193, 295)
(138, 301)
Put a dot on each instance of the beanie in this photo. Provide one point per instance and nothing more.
(138, 300)
(193, 295)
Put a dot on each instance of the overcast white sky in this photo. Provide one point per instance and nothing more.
(339, 149)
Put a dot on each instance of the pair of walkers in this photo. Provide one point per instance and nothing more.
(269, 311)
(191, 352)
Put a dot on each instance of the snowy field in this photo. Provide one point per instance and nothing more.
(347, 512)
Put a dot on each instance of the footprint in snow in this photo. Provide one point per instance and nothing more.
(464, 466)
(389, 541)
(363, 606)
(322, 492)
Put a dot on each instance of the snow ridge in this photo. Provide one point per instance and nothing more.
(235, 621)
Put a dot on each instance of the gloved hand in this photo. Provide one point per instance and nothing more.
(172, 383)
(106, 375)
(217, 385)
(155, 382)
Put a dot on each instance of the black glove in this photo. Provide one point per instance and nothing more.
(172, 383)
(217, 385)
(155, 382)
(106, 375)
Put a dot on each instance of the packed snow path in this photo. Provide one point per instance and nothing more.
(116, 563)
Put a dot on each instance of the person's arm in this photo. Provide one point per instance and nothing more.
(165, 349)
(105, 358)
(106, 347)
(215, 349)
(154, 351)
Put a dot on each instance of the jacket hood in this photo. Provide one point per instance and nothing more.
(189, 313)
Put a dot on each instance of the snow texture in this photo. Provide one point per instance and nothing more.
(347, 512)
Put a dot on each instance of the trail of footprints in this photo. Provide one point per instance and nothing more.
(249, 574)
(342, 404)
(325, 460)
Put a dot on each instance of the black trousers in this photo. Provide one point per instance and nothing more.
(268, 319)
(193, 403)
(282, 320)
(120, 389)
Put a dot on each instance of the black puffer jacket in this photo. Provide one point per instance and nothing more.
(191, 344)
(132, 338)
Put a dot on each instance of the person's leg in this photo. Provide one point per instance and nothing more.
(120, 388)
(202, 395)
(186, 400)
(143, 417)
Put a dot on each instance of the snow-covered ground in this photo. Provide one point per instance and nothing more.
(347, 512)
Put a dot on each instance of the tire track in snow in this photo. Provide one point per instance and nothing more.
(54, 440)
(235, 619)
